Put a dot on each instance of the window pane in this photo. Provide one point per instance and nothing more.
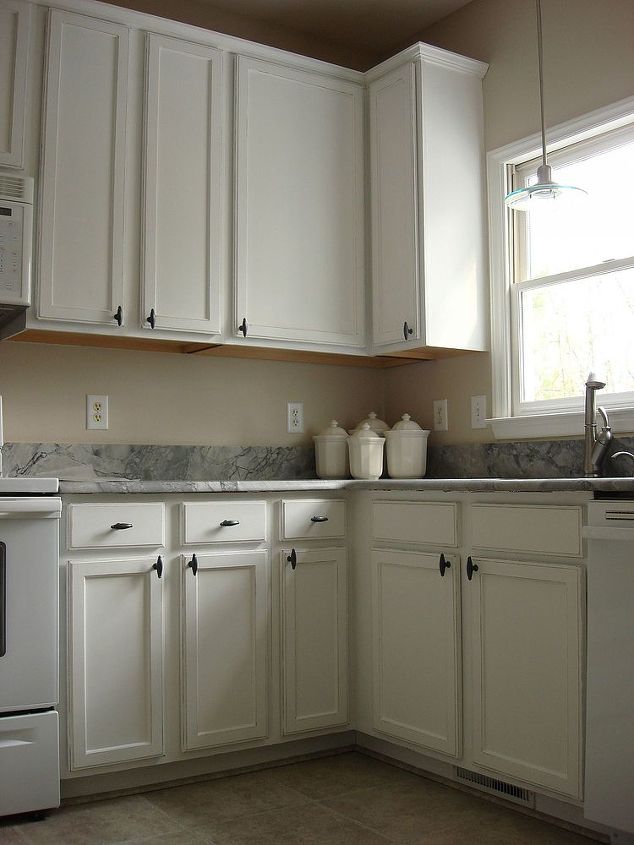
(592, 231)
(574, 327)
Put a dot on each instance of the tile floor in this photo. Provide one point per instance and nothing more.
(349, 799)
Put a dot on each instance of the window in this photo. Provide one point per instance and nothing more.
(563, 280)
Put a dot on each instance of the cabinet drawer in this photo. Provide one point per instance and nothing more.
(431, 523)
(93, 526)
(539, 529)
(223, 522)
(313, 519)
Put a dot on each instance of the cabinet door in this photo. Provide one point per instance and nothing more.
(115, 642)
(299, 195)
(525, 626)
(14, 42)
(225, 648)
(182, 186)
(394, 203)
(315, 639)
(416, 651)
(83, 164)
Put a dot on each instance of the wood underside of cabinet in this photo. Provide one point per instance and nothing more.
(262, 353)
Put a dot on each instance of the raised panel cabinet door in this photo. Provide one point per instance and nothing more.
(182, 196)
(225, 648)
(314, 639)
(526, 630)
(15, 20)
(82, 170)
(299, 206)
(115, 643)
(394, 209)
(416, 649)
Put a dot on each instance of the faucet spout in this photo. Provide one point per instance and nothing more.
(595, 445)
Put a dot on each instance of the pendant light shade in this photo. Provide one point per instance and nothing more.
(545, 188)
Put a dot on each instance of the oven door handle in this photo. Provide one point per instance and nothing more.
(28, 508)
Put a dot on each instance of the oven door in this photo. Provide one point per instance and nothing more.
(28, 603)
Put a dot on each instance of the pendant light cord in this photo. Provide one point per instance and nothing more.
(540, 63)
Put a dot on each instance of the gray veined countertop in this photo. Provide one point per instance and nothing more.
(449, 485)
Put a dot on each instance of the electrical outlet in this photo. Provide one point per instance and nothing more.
(295, 417)
(96, 412)
(440, 415)
(478, 412)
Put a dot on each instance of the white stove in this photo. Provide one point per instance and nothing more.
(29, 733)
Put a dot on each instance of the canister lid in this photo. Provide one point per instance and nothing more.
(406, 423)
(373, 422)
(332, 430)
(365, 433)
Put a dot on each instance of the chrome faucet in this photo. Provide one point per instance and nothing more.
(596, 445)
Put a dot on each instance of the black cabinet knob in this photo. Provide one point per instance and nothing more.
(243, 327)
(443, 565)
(471, 568)
(152, 318)
(158, 566)
(292, 559)
(118, 316)
(407, 331)
(193, 564)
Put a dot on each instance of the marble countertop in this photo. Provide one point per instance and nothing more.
(449, 485)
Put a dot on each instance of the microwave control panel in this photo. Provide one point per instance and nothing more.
(15, 252)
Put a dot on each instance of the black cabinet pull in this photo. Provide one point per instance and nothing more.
(292, 559)
(159, 567)
(193, 564)
(319, 519)
(243, 327)
(228, 523)
(407, 331)
(152, 318)
(121, 526)
(471, 568)
(118, 316)
(443, 564)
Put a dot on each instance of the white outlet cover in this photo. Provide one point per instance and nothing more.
(295, 417)
(96, 412)
(478, 412)
(440, 415)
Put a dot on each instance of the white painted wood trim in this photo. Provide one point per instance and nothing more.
(14, 157)
(503, 423)
(189, 32)
(429, 53)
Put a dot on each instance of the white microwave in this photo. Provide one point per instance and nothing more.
(16, 239)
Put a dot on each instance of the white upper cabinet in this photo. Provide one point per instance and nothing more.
(427, 204)
(299, 216)
(81, 225)
(15, 20)
(182, 201)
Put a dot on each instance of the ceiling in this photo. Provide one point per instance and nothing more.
(376, 26)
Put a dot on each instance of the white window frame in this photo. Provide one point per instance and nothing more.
(547, 422)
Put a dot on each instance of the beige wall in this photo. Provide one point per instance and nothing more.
(176, 399)
(588, 63)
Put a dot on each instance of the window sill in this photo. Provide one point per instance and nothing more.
(556, 425)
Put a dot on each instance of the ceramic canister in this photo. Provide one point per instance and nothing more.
(366, 453)
(406, 449)
(331, 452)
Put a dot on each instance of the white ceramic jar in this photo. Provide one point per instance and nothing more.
(366, 453)
(331, 452)
(406, 449)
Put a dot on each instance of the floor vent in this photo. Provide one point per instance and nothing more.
(496, 787)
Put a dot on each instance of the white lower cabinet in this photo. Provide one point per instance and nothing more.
(115, 660)
(416, 648)
(314, 639)
(225, 648)
(525, 630)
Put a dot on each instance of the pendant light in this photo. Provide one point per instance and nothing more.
(530, 197)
